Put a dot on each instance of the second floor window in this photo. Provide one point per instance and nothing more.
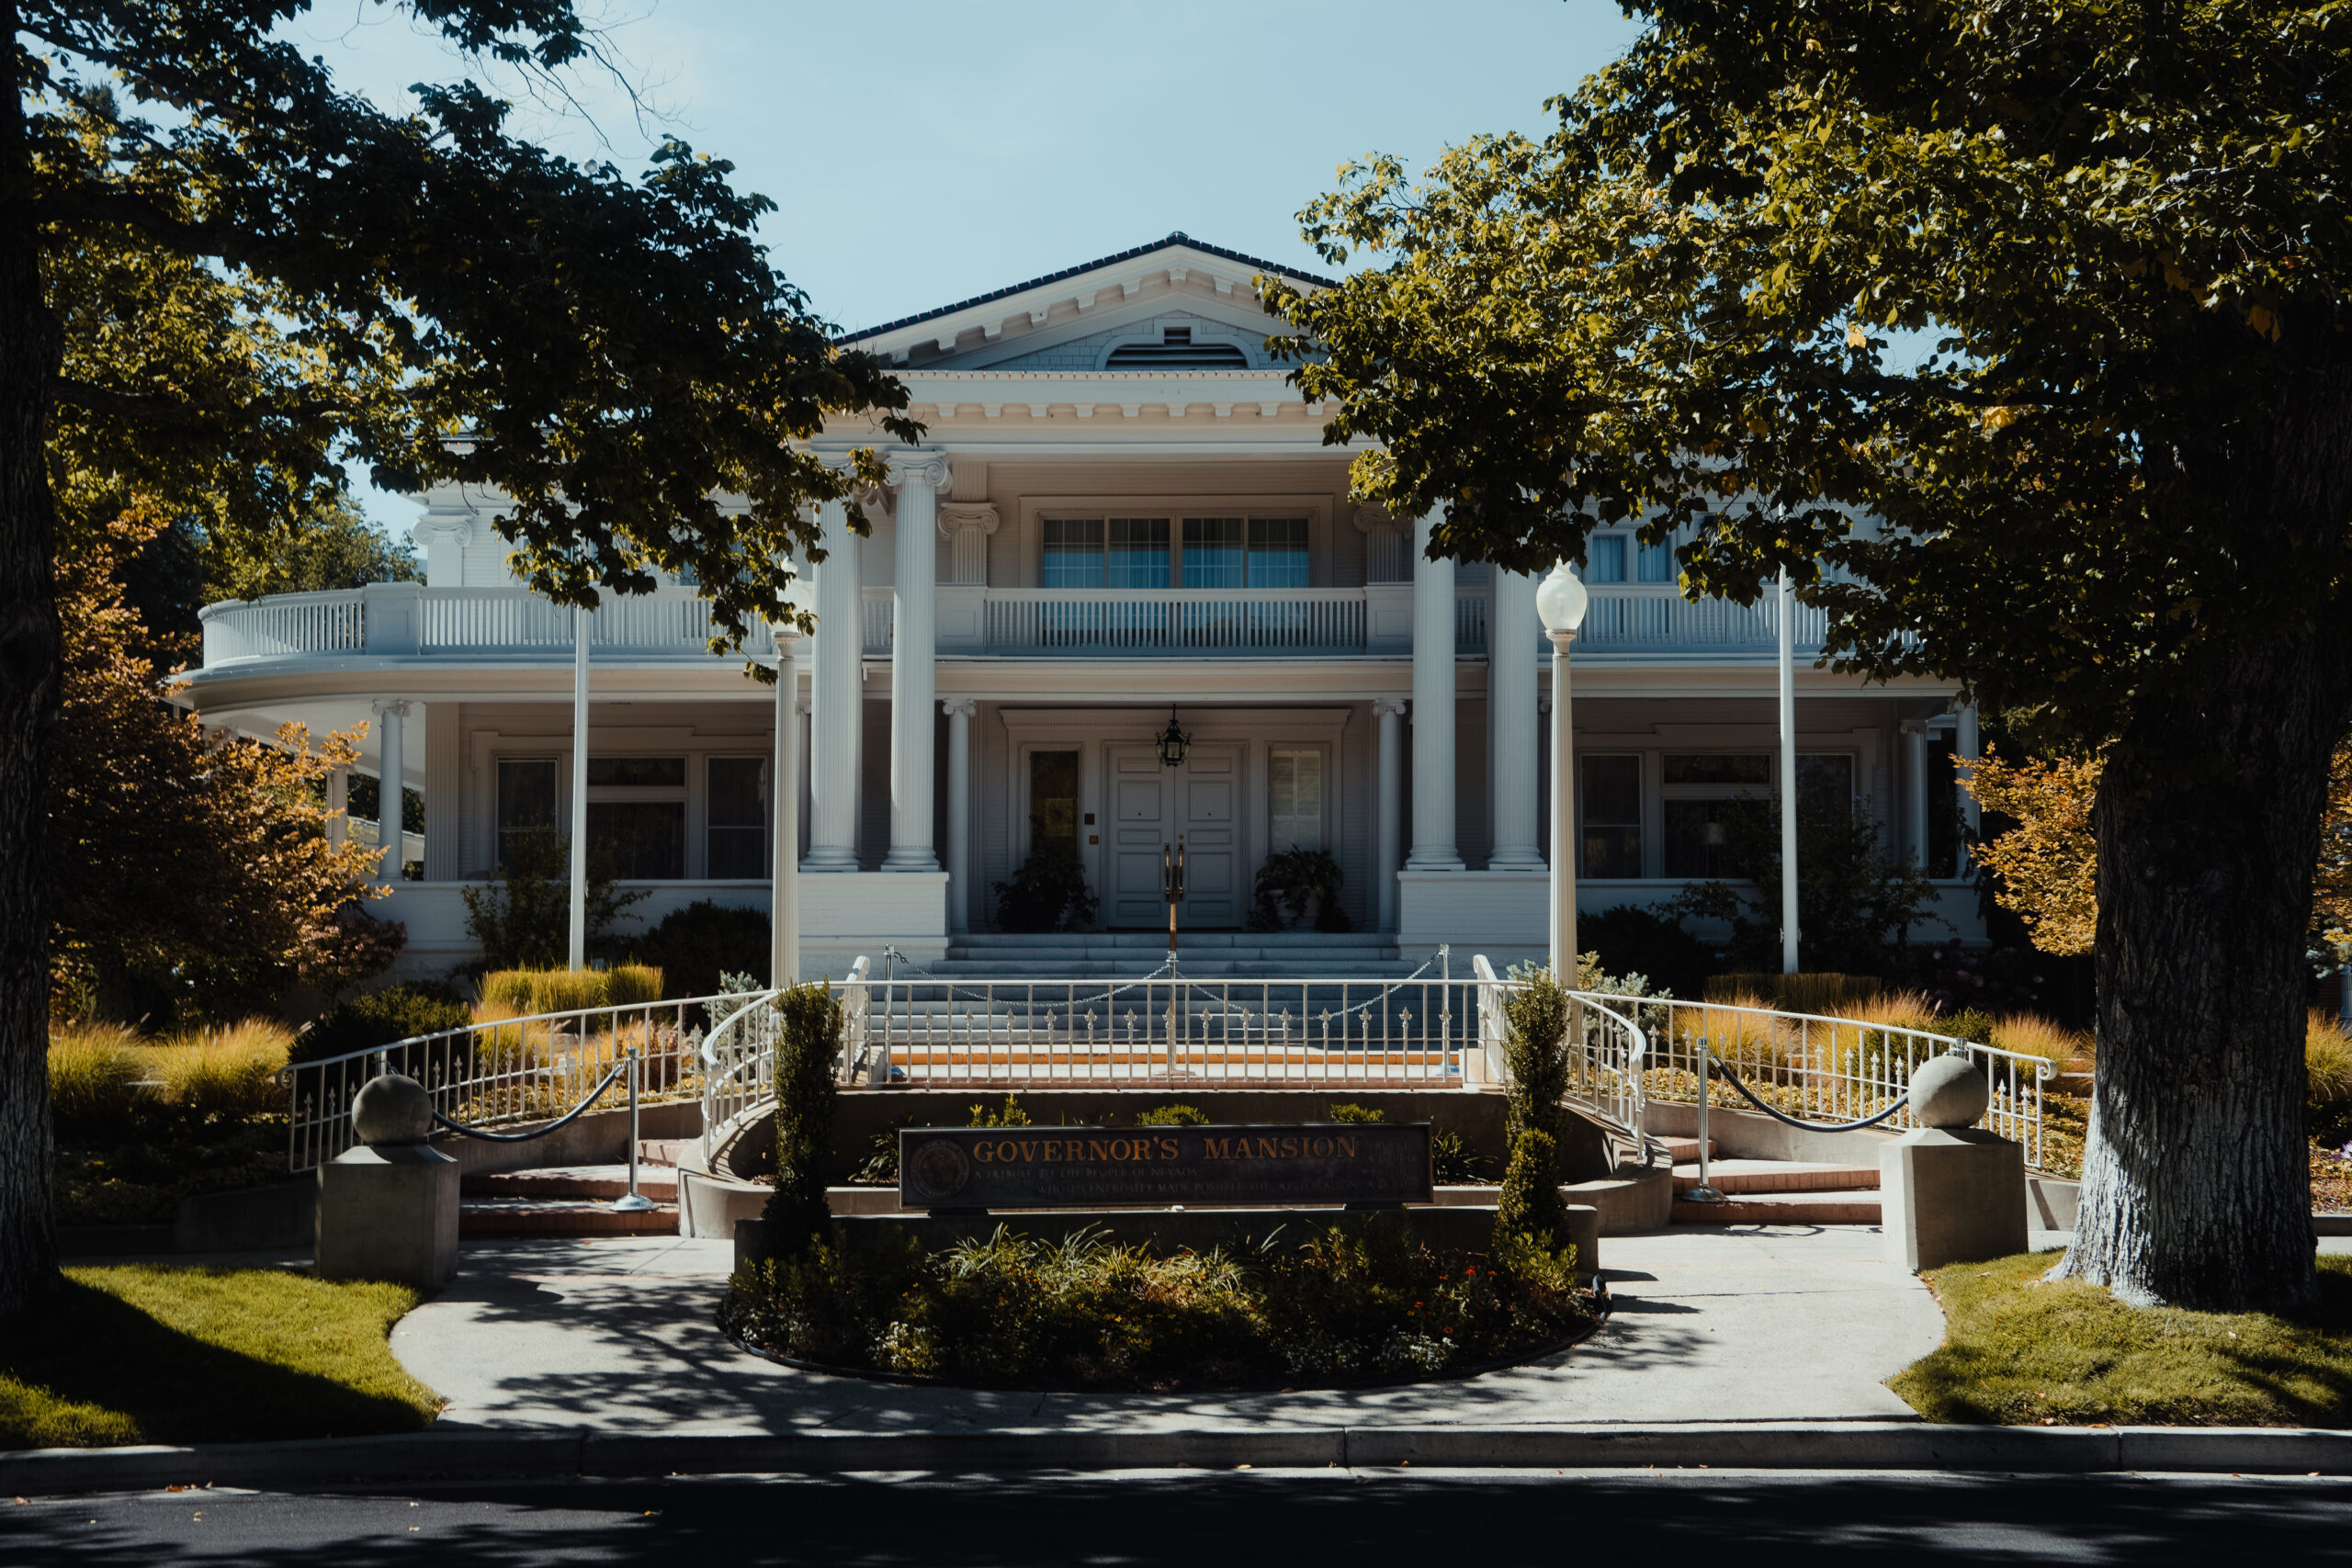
(1161, 552)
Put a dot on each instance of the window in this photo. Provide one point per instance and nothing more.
(1053, 803)
(736, 836)
(1612, 806)
(1605, 558)
(526, 801)
(1657, 564)
(637, 814)
(1825, 783)
(1148, 552)
(1705, 793)
(1294, 799)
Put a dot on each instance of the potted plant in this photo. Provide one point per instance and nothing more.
(1048, 894)
(1299, 884)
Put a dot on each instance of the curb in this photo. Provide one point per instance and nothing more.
(1780, 1445)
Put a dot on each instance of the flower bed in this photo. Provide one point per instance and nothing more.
(1365, 1303)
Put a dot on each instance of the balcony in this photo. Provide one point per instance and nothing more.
(405, 620)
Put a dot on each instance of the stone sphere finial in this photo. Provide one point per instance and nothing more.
(391, 1109)
(1949, 1091)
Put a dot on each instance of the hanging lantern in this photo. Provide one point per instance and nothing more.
(1173, 743)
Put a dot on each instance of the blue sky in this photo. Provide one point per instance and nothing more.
(928, 150)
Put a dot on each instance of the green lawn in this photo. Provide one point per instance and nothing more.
(147, 1354)
(2022, 1353)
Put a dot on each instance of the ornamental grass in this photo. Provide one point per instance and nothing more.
(1366, 1303)
(107, 1075)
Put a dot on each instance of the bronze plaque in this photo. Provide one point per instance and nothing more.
(1084, 1167)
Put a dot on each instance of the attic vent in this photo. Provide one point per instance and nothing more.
(1177, 351)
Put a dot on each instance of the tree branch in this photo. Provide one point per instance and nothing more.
(175, 411)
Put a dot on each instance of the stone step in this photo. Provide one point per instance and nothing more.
(1683, 1151)
(1830, 1208)
(559, 1216)
(585, 1182)
(662, 1151)
(1215, 967)
(1762, 1175)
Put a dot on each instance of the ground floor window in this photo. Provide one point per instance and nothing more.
(1295, 798)
(637, 814)
(1704, 794)
(1053, 803)
(736, 835)
(526, 801)
(1611, 806)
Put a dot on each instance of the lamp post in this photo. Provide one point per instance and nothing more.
(1560, 604)
(783, 790)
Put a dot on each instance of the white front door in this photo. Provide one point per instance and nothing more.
(1151, 804)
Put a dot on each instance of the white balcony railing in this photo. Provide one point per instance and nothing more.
(406, 620)
(1174, 620)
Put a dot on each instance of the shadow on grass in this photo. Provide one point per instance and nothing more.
(83, 1347)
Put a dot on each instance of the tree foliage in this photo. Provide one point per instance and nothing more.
(195, 879)
(2048, 864)
(2110, 500)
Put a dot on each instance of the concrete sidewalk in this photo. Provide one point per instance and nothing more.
(1711, 1325)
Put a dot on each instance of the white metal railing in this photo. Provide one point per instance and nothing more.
(497, 1071)
(284, 623)
(1174, 620)
(738, 1054)
(1826, 1069)
(493, 620)
(877, 622)
(1607, 1048)
(1470, 602)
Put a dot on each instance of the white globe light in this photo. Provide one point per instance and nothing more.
(1560, 601)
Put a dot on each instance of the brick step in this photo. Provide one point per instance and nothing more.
(1683, 1151)
(583, 1181)
(1763, 1176)
(559, 1216)
(1832, 1208)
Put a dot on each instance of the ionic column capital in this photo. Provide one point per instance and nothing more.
(960, 707)
(962, 515)
(1388, 708)
(391, 708)
(926, 467)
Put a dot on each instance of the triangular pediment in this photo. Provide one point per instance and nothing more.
(1174, 304)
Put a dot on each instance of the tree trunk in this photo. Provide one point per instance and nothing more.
(29, 349)
(2196, 1185)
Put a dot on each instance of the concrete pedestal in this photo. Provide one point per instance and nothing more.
(1951, 1195)
(388, 1211)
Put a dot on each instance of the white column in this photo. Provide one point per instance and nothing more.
(959, 812)
(339, 802)
(838, 689)
(580, 634)
(784, 792)
(913, 680)
(1564, 816)
(1969, 743)
(1914, 790)
(1433, 758)
(1386, 820)
(389, 750)
(1513, 638)
(1786, 605)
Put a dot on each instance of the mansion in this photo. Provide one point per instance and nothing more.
(1121, 512)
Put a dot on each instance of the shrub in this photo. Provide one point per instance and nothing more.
(1536, 1032)
(1173, 1116)
(381, 1017)
(694, 946)
(222, 1074)
(1048, 894)
(1529, 1206)
(522, 919)
(525, 993)
(1009, 1115)
(1825, 995)
(95, 1074)
(1630, 941)
(1355, 1113)
(2327, 1065)
(806, 1046)
(1450, 1162)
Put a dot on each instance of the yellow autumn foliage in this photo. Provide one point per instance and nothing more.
(2048, 864)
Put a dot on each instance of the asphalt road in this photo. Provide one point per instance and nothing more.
(1306, 1520)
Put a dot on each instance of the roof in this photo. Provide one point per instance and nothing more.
(1178, 238)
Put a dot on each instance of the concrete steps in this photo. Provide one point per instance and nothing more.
(1778, 1192)
(573, 1200)
(1205, 955)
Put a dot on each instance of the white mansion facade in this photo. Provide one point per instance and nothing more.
(1120, 510)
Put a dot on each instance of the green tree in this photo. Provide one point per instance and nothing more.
(221, 277)
(2111, 499)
